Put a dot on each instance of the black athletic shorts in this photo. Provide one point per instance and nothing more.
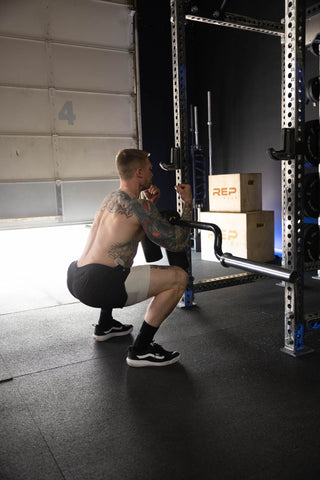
(97, 285)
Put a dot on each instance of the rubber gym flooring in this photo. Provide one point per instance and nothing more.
(234, 407)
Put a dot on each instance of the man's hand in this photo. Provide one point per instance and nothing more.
(184, 190)
(152, 194)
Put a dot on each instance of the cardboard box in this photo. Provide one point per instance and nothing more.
(236, 192)
(248, 235)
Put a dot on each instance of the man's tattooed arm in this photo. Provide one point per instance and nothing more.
(158, 229)
(187, 211)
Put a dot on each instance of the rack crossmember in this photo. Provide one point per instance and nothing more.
(243, 23)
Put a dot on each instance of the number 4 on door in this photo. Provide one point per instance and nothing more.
(66, 113)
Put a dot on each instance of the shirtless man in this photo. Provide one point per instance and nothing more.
(103, 276)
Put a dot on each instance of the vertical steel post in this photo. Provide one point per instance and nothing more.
(210, 134)
(180, 90)
(293, 106)
(180, 110)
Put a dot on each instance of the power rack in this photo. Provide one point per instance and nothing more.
(295, 33)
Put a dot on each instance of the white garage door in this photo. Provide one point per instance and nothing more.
(68, 104)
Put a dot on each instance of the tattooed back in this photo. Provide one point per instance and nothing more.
(115, 233)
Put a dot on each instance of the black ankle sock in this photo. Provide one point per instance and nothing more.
(145, 336)
(105, 319)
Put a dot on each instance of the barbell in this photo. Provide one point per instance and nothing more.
(226, 259)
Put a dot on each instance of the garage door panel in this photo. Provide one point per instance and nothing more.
(33, 21)
(26, 158)
(81, 200)
(90, 22)
(90, 158)
(28, 199)
(81, 21)
(92, 69)
(94, 114)
(23, 63)
(26, 111)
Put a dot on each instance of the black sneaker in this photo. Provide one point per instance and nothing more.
(153, 356)
(117, 330)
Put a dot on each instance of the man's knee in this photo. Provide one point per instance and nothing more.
(181, 277)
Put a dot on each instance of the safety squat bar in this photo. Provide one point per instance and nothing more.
(228, 260)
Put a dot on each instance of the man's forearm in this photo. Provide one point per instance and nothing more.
(184, 232)
(187, 211)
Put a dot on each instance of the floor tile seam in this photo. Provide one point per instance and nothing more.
(37, 426)
(38, 308)
(15, 377)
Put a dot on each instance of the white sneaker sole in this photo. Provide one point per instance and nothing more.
(104, 338)
(148, 363)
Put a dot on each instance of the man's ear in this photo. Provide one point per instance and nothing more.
(139, 172)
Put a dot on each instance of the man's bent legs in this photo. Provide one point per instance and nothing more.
(167, 285)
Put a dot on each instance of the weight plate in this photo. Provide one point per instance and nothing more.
(311, 242)
(312, 148)
(312, 90)
(311, 195)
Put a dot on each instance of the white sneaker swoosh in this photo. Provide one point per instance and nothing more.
(152, 355)
(111, 330)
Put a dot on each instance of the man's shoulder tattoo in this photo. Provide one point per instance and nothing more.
(118, 202)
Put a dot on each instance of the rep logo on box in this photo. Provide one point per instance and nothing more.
(226, 234)
(224, 191)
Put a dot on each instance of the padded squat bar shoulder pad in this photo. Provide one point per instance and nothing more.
(180, 259)
(171, 215)
(152, 252)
